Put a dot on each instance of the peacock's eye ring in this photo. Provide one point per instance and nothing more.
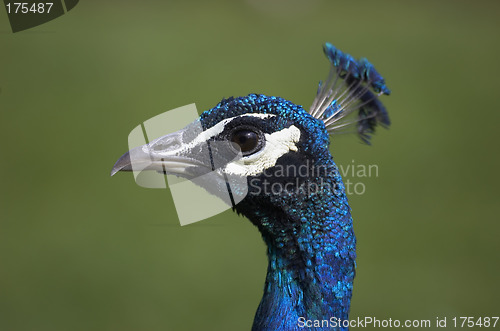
(246, 140)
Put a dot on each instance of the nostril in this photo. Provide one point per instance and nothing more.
(166, 144)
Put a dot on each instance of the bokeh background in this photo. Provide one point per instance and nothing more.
(82, 251)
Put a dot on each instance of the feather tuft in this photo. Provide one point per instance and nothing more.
(352, 87)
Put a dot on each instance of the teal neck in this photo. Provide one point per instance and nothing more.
(311, 251)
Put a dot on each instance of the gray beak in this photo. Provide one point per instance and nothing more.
(189, 154)
(123, 164)
(166, 154)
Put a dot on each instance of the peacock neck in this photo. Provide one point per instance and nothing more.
(311, 251)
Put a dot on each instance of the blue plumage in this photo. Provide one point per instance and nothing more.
(295, 194)
(310, 239)
(349, 89)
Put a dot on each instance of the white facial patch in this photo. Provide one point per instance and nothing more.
(277, 144)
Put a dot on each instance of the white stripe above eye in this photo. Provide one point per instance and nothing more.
(277, 144)
(204, 136)
(201, 138)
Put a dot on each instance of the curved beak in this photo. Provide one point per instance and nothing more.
(166, 155)
(188, 153)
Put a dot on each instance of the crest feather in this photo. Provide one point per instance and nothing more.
(352, 87)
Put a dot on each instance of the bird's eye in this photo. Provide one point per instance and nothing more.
(247, 140)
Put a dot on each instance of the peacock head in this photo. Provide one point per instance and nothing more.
(263, 148)
(240, 141)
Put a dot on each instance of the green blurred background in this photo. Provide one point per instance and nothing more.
(82, 251)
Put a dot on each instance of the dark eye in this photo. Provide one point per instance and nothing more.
(246, 139)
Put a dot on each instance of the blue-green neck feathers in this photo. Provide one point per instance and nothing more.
(311, 250)
(304, 217)
(306, 224)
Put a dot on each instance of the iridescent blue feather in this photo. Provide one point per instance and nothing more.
(352, 87)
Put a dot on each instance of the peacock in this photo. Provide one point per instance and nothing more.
(303, 216)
